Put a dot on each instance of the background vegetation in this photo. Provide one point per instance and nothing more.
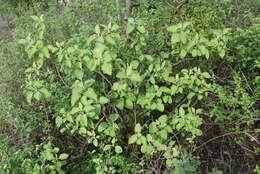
(145, 86)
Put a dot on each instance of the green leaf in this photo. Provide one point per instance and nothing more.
(183, 37)
(120, 104)
(35, 18)
(103, 100)
(121, 74)
(138, 128)
(129, 28)
(135, 77)
(141, 29)
(102, 126)
(90, 39)
(76, 94)
(95, 142)
(129, 104)
(107, 147)
(114, 117)
(118, 149)
(222, 53)
(175, 38)
(29, 95)
(183, 53)
(98, 50)
(163, 133)
(107, 68)
(63, 156)
(49, 156)
(58, 121)
(97, 29)
(206, 75)
(110, 40)
(91, 94)
(163, 119)
(45, 52)
(132, 139)
(82, 130)
(78, 73)
(181, 111)
(190, 95)
(194, 52)
(91, 64)
(173, 28)
(160, 107)
(37, 96)
(174, 89)
(153, 128)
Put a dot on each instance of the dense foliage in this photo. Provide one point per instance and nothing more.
(154, 86)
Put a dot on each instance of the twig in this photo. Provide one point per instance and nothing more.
(104, 77)
(99, 121)
(224, 135)
(246, 81)
(61, 77)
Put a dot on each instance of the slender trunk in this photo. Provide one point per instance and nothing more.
(125, 16)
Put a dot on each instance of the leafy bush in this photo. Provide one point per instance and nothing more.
(150, 99)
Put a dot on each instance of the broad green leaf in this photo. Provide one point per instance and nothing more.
(49, 156)
(95, 142)
(107, 68)
(160, 107)
(194, 52)
(35, 18)
(163, 119)
(183, 53)
(114, 117)
(90, 39)
(97, 29)
(90, 93)
(173, 28)
(63, 156)
(110, 40)
(103, 100)
(181, 111)
(135, 77)
(175, 38)
(183, 37)
(174, 89)
(138, 128)
(120, 104)
(132, 139)
(91, 64)
(78, 73)
(29, 95)
(153, 128)
(76, 94)
(98, 50)
(190, 95)
(141, 29)
(118, 149)
(82, 131)
(129, 28)
(121, 74)
(107, 147)
(222, 53)
(102, 126)
(163, 133)
(58, 121)
(144, 148)
(37, 96)
(206, 75)
(45, 52)
(129, 104)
